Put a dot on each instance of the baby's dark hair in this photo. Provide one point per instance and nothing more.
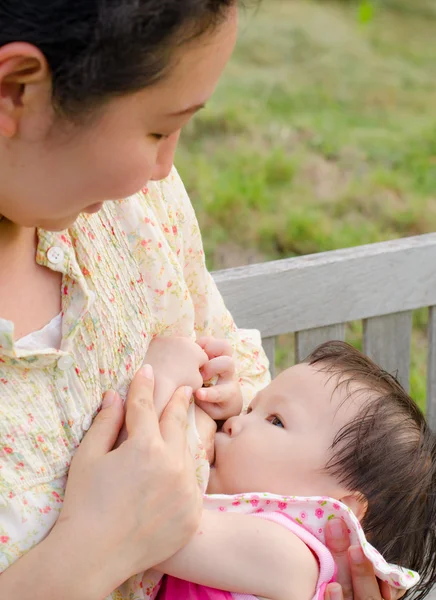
(97, 49)
(387, 454)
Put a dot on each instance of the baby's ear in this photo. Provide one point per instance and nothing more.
(357, 503)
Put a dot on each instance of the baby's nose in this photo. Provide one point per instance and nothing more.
(231, 426)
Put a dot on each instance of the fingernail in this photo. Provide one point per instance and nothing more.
(147, 371)
(335, 592)
(337, 529)
(108, 398)
(188, 392)
(357, 555)
(201, 395)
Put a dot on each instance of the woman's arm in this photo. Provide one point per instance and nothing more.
(244, 554)
(91, 551)
(47, 572)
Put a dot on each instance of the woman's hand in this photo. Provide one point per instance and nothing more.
(224, 399)
(356, 578)
(128, 509)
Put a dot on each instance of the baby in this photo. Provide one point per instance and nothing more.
(332, 436)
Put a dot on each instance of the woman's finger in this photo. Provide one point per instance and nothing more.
(174, 419)
(334, 592)
(222, 366)
(365, 584)
(104, 430)
(338, 542)
(390, 593)
(385, 590)
(141, 417)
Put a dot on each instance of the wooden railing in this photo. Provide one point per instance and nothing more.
(315, 296)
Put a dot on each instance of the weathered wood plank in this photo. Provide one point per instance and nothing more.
(387, 341)
(431, 372)
(306, 341)
(269, 345)
(303, 293)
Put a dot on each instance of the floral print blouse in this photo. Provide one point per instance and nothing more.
(133, 271)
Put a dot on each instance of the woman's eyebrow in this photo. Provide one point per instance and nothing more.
(187, 111)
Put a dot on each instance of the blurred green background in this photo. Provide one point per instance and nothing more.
(322, 135)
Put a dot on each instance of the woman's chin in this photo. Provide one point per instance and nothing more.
(66, 222)
(57, 225)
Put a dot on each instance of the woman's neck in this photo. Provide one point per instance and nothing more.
(30, 294)
(16, 243)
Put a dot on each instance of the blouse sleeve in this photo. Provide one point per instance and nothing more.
(211, 315)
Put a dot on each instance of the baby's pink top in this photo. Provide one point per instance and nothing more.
(307, 518)
(178, 589)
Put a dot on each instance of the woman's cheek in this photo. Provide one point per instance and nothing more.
(125, 179)
(125, 171)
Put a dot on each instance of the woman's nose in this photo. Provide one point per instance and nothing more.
(165, 157)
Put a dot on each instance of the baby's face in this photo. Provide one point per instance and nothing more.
(283, 443)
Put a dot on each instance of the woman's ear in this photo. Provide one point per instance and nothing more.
(24, 82)
(357, 503)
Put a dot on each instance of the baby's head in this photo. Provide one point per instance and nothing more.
(337, 425)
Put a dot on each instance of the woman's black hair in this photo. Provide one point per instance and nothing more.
(98, 49)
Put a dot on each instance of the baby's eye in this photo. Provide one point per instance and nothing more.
(248, 411)
(274, 420)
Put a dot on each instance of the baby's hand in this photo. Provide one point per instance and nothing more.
(224, 399)
(177, 359)
(176, 362)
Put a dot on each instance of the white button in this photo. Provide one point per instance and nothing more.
(65, 362)
(86, 422)
(55, 255)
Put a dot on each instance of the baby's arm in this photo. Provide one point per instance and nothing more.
(248, 555)
(176, 361)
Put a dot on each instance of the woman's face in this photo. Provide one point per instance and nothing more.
(52, 171)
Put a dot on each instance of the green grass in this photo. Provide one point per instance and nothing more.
(321, 135)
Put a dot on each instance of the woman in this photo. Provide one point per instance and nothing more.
(91, 105)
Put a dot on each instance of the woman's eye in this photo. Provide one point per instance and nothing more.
(276, 422)
(159, 136)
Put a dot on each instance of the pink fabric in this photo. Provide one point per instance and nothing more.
(177, 589)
